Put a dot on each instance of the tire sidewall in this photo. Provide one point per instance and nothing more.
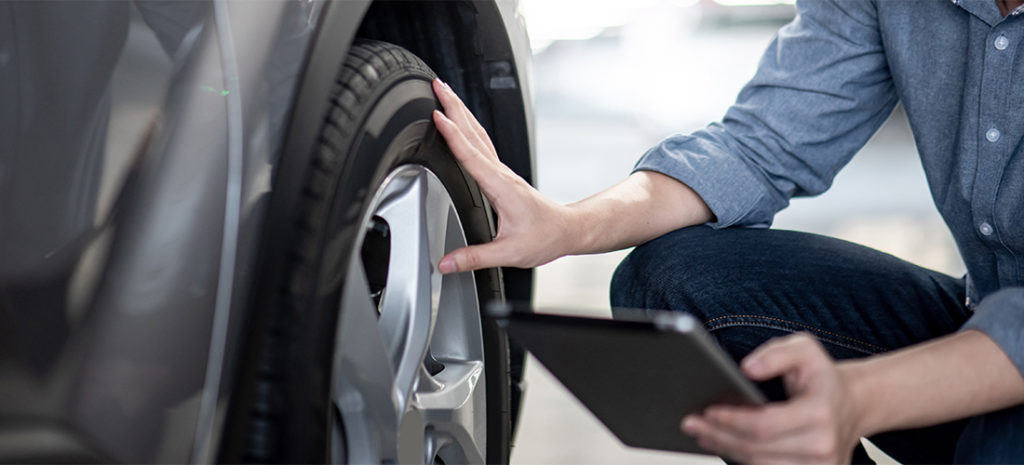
(399, 109)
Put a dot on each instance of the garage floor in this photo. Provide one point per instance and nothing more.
(600, 104)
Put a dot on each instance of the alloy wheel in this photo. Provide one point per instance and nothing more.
(408, 376)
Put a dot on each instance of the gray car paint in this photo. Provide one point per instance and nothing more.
(116, 345)
(129, 364)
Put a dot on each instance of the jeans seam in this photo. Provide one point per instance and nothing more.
(802, 325)
(829, 336)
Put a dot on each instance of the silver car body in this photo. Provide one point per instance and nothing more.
(142, 148)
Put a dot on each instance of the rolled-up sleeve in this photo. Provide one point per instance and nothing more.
(821, 90)
(1001, 316)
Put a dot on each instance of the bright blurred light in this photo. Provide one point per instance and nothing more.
(551, 20)
(754, 2)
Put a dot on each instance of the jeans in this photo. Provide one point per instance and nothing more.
(750, 285)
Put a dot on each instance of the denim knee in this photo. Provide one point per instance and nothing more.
(626, 290)
(662, 273)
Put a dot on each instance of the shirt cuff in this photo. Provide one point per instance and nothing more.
(1001, 317)
(723, 180)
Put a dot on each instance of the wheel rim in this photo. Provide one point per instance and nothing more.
(408, 376)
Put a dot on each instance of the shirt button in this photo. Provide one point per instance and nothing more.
(985, 228)
(1001, 42)
(992, 135)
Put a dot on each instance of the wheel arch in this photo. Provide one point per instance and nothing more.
(468, 45)
(479, 47)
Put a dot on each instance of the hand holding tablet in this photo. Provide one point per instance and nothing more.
(639, 376)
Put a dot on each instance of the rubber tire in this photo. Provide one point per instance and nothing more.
(290, 417)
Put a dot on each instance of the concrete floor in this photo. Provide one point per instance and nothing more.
(600, 104)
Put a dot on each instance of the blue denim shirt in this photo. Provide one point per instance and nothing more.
(828, 81)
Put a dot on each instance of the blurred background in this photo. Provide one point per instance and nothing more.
(611, 79)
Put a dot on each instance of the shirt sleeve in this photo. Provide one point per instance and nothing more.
(1001, 317)
(821, 90)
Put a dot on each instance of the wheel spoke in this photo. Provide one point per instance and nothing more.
(407, 310)
(363, 384)
(457, 334)
(454, 413)
(444, 233)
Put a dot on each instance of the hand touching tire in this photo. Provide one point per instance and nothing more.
(532, 229)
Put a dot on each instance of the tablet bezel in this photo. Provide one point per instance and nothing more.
(639, 373)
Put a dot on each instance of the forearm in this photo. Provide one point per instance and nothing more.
(642, 207)
(532, 229)
(953, 377)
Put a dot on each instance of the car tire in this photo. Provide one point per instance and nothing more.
(340, 375)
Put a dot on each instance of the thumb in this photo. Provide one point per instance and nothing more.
(783, 355)
(469, 258)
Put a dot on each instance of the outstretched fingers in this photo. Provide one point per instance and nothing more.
(480, 168)
(515, 202)
(456, 110)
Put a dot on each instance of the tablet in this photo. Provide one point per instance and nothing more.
(639, 375)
